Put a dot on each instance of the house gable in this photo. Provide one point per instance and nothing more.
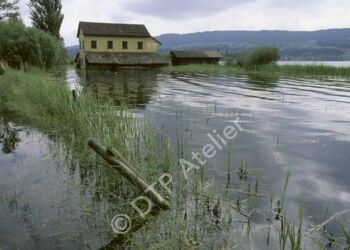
(107, 43)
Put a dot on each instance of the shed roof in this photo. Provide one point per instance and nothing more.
(113, 29)
(196, 54)
(125, 58)
(213, 53)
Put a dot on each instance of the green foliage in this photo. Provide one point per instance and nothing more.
(9, 10)
(346, 233)
(201, 68)
(49, 105)
(261, 55)
(265, 72)
(306, 70)
(46, 15)
(20, 45)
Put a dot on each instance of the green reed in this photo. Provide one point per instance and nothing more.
(271, 69)
(49, 105)
(202, 69)
(306, 70)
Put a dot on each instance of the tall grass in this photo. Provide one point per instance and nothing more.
(274, 69)
(48, 104)
(310, 70)
(202, 68)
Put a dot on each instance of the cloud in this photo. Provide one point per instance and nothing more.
(184, 16)
(181, 8)
(24, 10)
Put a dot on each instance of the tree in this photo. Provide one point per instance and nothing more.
(9, 10)
(24, 46)
(46, 15)
(259, 56)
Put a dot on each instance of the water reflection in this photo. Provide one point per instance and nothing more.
(264, 80)
(134, 86)
(9, 137)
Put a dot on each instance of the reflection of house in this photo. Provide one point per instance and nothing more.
(134, 87)
(110, 45)
(184, 57)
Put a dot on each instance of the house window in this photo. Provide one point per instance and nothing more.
(110, 44)
(140, 45)
(94, 44)
(125, 45)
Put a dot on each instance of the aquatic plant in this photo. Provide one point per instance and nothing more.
(306, 70)
(269, 71)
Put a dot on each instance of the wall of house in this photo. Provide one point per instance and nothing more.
(149, 44)
(81, 51)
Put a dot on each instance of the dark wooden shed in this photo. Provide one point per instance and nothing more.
(184, 57)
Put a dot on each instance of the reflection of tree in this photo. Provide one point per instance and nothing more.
(9, 137)
(266, 80)
(134, 86)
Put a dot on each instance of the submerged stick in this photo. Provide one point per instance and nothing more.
(320, 226)
(125, 169)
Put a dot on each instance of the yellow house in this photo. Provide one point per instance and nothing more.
(111, 45)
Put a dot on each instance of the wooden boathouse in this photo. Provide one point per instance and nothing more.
(184, 57)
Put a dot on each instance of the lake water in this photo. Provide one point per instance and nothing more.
(295, 125)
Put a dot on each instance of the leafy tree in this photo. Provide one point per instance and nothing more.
(258, 56)
(9, 10)
(46, 15)
(20, 46)
(13, 45)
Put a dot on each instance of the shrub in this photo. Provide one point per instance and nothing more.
(229, 61)
(259, 56)
(21, 45)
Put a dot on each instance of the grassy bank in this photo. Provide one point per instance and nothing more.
(48, 104)
(283, 70)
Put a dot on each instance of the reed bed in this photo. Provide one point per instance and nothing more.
(202, 69)
(279, 70)
(308, 70)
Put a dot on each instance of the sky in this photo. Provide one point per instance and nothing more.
(186, 16)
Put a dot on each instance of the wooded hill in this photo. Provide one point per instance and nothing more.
(332, 44)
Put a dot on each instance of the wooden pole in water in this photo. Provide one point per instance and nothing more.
(2, 68)
(74, 94)
(112, 151)
(118, 162)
